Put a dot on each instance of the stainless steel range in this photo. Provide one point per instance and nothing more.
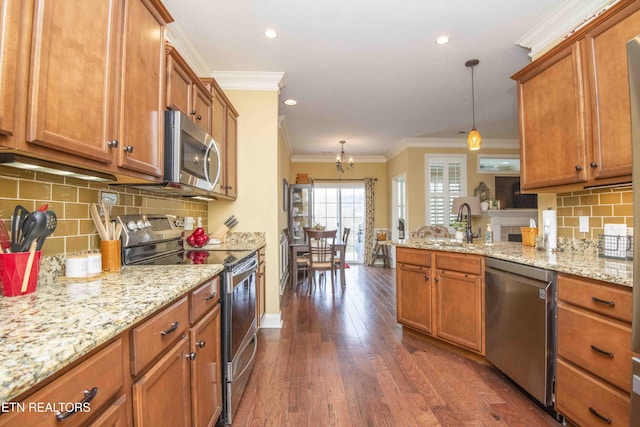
(155, 240)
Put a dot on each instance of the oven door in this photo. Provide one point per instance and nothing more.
(239, 334)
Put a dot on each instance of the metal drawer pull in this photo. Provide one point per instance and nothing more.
(173, 327)
(601, 301)
(601, 351)
(200, 344)
(210, 297)
(88, 397)
(191, 356)
(597, 414)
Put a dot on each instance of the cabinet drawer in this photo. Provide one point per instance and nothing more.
(596, 344)
(596, 296)
(413, 256)
(586, 401)
(204, 299)
(159, 332)
(462, 263)
(102, 375)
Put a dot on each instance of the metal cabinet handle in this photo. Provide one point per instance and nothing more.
(172, 328)
(193, 112)
(426, 277)
(593, 165)
(88, 397)
(198, 117)
(578, 168)
(597, 414)
(601, 351)
(191, 356)
(128, 149)
(601, 301)
(436, 279)
(211, 296)
(201, 344)
(114, 143)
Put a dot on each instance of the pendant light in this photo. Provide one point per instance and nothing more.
(474, 140)
(341, 159)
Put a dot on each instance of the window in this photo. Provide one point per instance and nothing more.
(446, 178)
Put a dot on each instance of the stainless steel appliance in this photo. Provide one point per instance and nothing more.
(155, 240)
(520, 316)
(633, 59)
(191, 158)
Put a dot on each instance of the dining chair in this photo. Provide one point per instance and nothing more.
(336, 258)
(321, 253)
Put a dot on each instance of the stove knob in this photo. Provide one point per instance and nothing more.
(147, 223)
(140, 224)
(131, 225)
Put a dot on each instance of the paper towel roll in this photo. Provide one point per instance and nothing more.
(550, 229)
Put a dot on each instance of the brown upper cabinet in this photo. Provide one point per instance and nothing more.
(573, 105)
(186, 92)
(90, 84)
(9, 30)
(225, 133)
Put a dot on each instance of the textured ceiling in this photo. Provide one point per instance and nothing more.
(369, 71)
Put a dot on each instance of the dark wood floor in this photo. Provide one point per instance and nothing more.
(342, 360)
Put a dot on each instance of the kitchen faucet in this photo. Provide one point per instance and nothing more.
(468, 235)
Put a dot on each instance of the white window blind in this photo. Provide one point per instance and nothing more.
(446, 178)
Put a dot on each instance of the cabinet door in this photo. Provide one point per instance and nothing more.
(74, 78)
(460, 309)
(206, 374)
(9, 25)
(142, 105)
(219, 131)
(608, 75)
(231, 155)
(413, 296)
(202, 112)
(114, 416)
(162, 396)
(553, 121)
(179, 87)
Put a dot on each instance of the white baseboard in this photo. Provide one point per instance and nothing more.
(271, 321)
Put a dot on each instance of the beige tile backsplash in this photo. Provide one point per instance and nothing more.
(69, 199)
(601, 205)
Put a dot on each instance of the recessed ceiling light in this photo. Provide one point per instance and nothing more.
(290, 102)
(443, 40)
(270, 34)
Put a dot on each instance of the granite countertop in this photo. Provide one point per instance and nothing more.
(45, 331)
(585, 264)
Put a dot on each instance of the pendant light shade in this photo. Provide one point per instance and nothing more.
(474, 140)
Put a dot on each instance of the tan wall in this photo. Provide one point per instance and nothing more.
(259, 200)
(69, 198)
(284, 172)
(412, 162)
(360, 170)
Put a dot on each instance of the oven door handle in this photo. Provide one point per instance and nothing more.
(253, 355)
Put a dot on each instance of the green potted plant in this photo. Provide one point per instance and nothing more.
(460, 227)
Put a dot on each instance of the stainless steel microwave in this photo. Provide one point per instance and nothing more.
(191, 156)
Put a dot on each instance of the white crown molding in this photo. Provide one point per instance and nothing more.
(250, 80)
(182, 42)
(330, 158)
(560, 22)
(284, 131)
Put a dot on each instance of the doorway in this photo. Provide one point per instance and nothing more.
(339, 205)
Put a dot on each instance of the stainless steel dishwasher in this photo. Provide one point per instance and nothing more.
(520, 316)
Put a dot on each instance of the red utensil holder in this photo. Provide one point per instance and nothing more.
(12, 272)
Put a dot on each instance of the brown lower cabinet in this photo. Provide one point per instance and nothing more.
(165, 370)
(593, 378)
(442, 294)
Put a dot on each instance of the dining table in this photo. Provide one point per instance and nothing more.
(301, 246)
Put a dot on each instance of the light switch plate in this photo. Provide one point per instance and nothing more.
(584, 224)
(110, 199)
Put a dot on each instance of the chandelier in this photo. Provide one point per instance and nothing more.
(474, 140)
(341, 162)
